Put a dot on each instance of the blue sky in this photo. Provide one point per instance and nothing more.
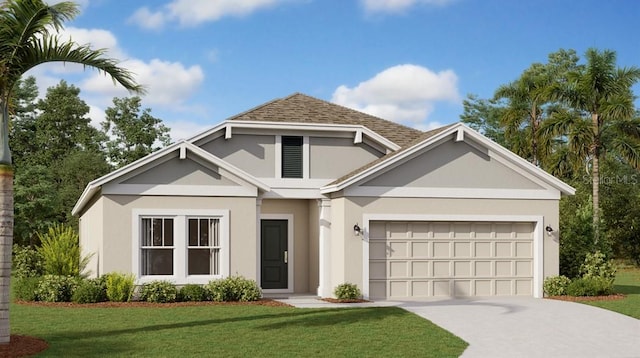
(411, 61)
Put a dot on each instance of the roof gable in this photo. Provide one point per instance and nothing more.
(139, 174)
(503, 160)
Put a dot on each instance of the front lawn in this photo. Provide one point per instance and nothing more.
(628, 283)
(232, 331)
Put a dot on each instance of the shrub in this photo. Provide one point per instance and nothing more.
(27, 262)
(590, 286)
(191, 292)
(90, 291)
(119, 286)
(158, 292)
(234, 288)
(24, 288)
(347, 291)
(596, 265)
(556, 285)
(55, 288)
(60, 251)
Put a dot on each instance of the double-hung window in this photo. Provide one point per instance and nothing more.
(180, 245)
(157, 246)
(204, 246)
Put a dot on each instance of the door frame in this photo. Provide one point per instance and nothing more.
(290, 258)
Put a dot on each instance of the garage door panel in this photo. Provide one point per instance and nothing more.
(425, 259)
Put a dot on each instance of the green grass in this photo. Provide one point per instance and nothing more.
(628, 283)
(232, 331)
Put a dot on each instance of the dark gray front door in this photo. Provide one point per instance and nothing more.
(274, 255)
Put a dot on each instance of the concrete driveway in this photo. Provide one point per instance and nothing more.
(530, 327)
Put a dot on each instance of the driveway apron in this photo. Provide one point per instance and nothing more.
(530, 327)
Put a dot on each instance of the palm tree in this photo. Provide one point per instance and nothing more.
(29, 37)
(601, 94)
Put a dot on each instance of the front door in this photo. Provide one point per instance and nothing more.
(274, 255)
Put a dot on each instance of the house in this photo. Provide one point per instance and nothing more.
(303, 195)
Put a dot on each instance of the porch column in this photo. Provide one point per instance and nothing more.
(324, 248)
(258, 242)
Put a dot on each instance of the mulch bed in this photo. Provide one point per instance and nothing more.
(335, 300)
(617, 296)
(25, 346)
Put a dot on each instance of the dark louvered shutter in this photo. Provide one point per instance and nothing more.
(292, 157)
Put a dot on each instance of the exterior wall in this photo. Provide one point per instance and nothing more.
(255, 154)
(91, 236)
(301, 236)
(314, 241)
(346, 249)
(324, 154)
(180, 172)
(117, 248)
(453, 165)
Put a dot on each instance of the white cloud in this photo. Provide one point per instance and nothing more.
(195, 12)
(183, 129)
(397, 6)
(403, 93)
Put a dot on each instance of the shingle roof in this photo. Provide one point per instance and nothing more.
(424, 136)
(300, 108)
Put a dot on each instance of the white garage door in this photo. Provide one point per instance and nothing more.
(428, 259)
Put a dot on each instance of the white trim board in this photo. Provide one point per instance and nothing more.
(538, 239)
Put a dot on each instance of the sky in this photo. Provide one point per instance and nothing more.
(409, 61)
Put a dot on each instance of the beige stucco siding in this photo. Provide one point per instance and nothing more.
(91, 231)
(331, 158)
(180, 172)
(453, 165)
(314, 237)
(255, 154)
(347, 249)
(118, 218)
(301, 236)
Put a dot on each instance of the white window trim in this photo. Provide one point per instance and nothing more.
(538, 239)
(290, 247)
(180, 253)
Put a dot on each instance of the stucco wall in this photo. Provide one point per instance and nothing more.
(346, 249)
(255, 154)
(180, 172)
(331, 158)
(117, 248)
(91, 235)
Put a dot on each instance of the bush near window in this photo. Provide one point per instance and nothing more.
(596, 265)
(234, 288)
(347, 291)
(60, 251)
(589, 286)
(90, 291)
(27, 262)
(158, 292)
(119, 286)
(55, 288)
(192, 292)
(24, 288)
(556, 285)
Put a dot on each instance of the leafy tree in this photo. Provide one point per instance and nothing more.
(23, 120)
(134, 133)
(37, 203)
(28, 37)
(484, 116)
(601, 92)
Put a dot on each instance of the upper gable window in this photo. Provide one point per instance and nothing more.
(292, 157)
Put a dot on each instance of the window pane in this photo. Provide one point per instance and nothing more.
(216, 261)
(193, 232)
(199, 262)
(157, 262)
(146, 232)
(157, 232)
(215, 231)
(204, 232)
(168, 232)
